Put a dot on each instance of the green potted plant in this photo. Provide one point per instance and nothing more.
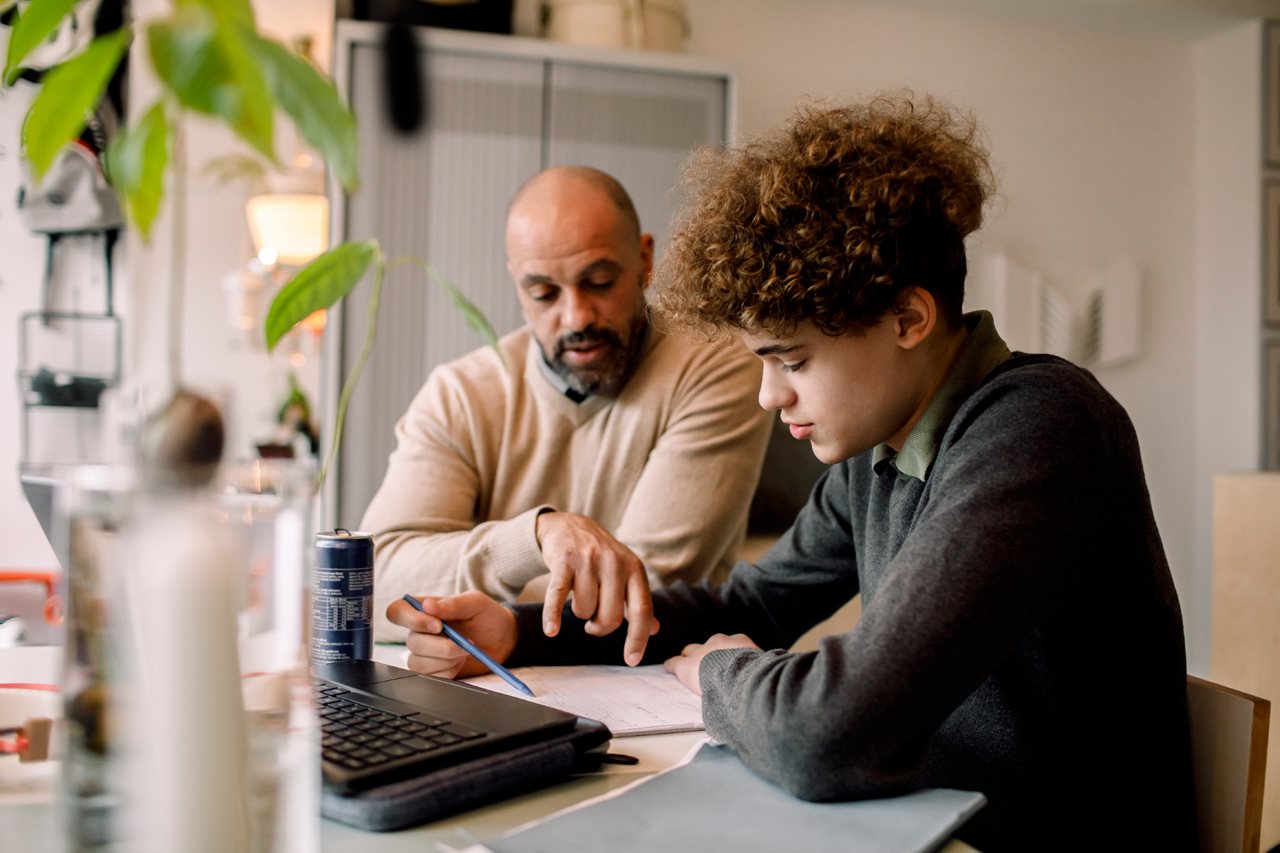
(210, 59)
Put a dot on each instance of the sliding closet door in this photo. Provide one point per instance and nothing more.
(638, 125)
(439, 194)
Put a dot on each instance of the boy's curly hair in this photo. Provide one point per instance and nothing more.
(827, 220)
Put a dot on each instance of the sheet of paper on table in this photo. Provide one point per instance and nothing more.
(638, 700)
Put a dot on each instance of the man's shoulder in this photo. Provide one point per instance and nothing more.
(483, 365)
(685, 355)
(479, 379)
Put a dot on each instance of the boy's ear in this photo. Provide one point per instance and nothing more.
(915, 317)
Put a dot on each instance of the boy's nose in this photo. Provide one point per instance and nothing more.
(773, 393)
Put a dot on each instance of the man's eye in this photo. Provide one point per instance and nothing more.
(542, 294)
(793, 367)
(600, 285)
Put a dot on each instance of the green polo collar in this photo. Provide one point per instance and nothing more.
(983, 350)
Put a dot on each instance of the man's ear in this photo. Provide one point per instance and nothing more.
(915, 317)
(646, 258)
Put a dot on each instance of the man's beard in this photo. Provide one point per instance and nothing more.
(614, 367)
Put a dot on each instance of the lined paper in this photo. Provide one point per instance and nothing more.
(640, 700)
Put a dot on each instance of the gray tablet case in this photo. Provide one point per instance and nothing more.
(715, 804)
(449, 790)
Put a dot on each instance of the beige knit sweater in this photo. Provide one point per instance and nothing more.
(668, 467)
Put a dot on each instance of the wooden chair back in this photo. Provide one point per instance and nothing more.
(1229, 756)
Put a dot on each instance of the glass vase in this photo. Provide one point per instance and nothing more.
(190, 619)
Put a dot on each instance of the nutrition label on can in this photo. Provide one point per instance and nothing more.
(341, 614)
(343, 599)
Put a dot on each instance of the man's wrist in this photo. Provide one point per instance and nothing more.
(537, 522)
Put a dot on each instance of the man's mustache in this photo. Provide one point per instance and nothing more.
(590, 336)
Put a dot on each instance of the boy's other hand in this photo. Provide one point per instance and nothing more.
(474, 615)
(685, 666)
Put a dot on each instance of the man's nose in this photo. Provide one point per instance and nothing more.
(577, 311)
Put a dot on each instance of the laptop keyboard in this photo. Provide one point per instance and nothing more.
(365, 737)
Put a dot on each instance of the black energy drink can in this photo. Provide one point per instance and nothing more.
(342, 597)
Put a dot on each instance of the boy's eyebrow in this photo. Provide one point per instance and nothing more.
(775, 349)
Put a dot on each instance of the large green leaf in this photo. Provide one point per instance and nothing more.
(204, 63)
(136, 163)
(318, 285)
(67, 95)
(312, 102)
(36, 24)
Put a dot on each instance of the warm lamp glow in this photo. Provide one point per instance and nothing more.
(315, 322)
(294, 227)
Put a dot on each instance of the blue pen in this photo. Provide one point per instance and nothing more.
(474, 650)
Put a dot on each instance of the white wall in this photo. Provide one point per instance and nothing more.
(1229, 251)
(1092, 125)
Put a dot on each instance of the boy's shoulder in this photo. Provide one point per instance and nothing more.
(1041, 374)
(1035, 394)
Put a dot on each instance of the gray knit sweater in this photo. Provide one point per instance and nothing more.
(1020, 633)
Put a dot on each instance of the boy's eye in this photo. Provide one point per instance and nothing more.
(793, 367)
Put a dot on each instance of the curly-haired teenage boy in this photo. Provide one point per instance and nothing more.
(1020, 634)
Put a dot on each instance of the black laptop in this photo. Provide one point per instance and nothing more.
(380, 723)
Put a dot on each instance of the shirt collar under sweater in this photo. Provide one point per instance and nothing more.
(983, 350)
(561, 384)
(549, 394)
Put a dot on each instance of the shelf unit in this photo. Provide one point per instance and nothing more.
(66, 360)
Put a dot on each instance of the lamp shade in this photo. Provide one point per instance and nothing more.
(292, 227)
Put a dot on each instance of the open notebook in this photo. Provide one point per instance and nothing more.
(640, 700)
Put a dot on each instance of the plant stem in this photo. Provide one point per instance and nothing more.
(349, 386)
(177, 256)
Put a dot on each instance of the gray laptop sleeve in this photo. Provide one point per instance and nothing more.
(449, 790)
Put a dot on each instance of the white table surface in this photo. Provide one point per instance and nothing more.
(31, 815)
(30, 822)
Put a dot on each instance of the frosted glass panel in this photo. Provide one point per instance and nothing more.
(640, 126)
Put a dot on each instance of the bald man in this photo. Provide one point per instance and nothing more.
(605, 457)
